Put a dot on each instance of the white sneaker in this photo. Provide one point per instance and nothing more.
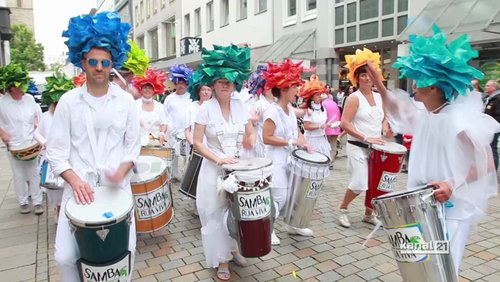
(275, 241)
(300, 231)
(372, 219)
(344, 219)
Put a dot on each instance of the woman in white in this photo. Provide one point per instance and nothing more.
(153, 120)
(281, 133)
(223, 121)
(315, 120)
(363, 120)
(204, 93)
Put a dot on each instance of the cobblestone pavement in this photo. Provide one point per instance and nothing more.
(176, 253)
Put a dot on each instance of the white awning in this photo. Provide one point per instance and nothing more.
(300, 45)
(480, 19)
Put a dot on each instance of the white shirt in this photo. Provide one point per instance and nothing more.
(19, 118)
(92, 142)
(315, 116)
(176, 106)
(368, 119)
(150, 121)
(285, 127)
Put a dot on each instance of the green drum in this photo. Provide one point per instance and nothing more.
(102, 228)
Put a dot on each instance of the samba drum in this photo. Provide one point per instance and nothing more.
(101, 230)
(181, 142)
(414, 223)
(54, 184)
(27, 151)
(250, 220)
(152, 196)
(308, 171)
(159, 151)
(190, 179)
(383, 167)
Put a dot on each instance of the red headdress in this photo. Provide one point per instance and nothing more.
(312, 87)
(283, 75)
(155, 78)
(79, 80)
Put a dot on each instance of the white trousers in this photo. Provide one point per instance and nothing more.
(458, 231)
(26, 180)
(67, 252)
(280, 197)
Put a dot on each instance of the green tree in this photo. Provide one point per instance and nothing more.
(24, 50)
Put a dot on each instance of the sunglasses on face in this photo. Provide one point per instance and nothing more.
(104, 63)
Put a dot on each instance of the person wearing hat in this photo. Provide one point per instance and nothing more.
(136, 65)
(281, 134)
(363, 119)
(19, 117)
(175, 106)
(451, 136)
(154, 123)
(223, 121)
(315, 120)
(95, 140)
(199, 94)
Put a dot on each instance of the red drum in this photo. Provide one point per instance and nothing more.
(250, 215)
(383, 167)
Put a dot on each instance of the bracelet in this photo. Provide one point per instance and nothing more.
(218, 161)
(290, 143)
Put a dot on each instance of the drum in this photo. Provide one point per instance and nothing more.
(181, 140)
(102, 228)
(414, 223)
(27, 151)
(250, 220)
(152, 195)
(190, 179)
(383, 167)
(308, 171)
(48, 179)
(159, 151)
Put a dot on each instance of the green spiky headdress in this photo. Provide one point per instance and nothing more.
(137, 61)
(56, 86)
(14, 75)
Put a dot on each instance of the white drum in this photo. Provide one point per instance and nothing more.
(27, 151)
(182, 143)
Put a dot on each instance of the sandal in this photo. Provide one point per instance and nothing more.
(223, 272)
(238, 259)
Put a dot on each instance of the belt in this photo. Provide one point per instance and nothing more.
(359, 144)
(256, 183)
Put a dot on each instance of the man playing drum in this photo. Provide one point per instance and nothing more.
(95, 138)
(19, 117)
(451, 137)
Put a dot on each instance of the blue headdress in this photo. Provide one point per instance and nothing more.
(180, 72)
(104, 30)
(32, 89)
(432, 62)
(257, 82)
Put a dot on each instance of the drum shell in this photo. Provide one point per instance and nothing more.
(404, 211)
(162, 152)
(253, 236)
(190, 179)
(26, 154)
(382, 170)
(94, 249)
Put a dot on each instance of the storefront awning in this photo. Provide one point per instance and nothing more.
(300, 45)
(480, 19)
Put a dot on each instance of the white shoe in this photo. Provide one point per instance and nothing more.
(300, 231)
(275, 241)
(372, 219)
(344, 219)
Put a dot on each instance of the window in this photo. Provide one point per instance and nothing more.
(291, 8)
(163, 3)
(170, 36)
(153, 42)
(368, 31)
(224, 13)
(210, 16)
(339, 1)
(261, 6)
(155, 6)
(351, 34)
(351, 12)
(368, 9)
(339, 36)
(387, 7)
(388, 27)
(148, 9)
(140, 42)
(142, 11)
(187, 25)
(310, 5)
(402, 5)
(402, 22)
(242, 9)
(197, 22)
(339, 15)
(137, 16)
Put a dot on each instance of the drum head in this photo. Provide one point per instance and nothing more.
(147, 168)
(248, 164)
(390, 147)
(313, 157)
(24, 146)
(110, 204)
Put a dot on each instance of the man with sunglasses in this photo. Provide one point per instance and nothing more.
(95, 138)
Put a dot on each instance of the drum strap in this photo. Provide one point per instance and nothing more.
(359, 144)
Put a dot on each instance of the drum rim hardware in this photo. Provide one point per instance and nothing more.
(327, 161)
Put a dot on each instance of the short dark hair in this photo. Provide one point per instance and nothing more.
(276, 92)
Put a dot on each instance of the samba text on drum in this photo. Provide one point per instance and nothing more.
(150, 207)
(111, 274)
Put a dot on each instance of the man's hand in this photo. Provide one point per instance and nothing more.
(5, 138)
(443, 190)
(83, 192)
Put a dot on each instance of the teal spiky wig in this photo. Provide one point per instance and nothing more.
(56, 86)
(432, 62)
(230, 62)
(14, 75)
